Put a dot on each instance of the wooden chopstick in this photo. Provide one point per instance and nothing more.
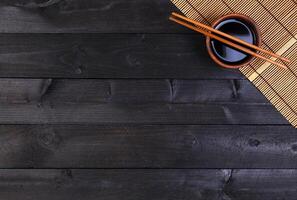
(230, 37)
(236, 46)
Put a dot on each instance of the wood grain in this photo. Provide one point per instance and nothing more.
(214, 114)
(108, 56)
(147, 146)
(111, 184)
(76, 16)
(154, 184)
(128, 91)
(48, 101)
(262, 184)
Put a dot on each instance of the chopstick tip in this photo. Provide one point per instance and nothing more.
(287, 60)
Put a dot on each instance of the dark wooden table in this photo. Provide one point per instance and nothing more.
(107, 99)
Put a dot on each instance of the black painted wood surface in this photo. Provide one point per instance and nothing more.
(109, 100)
(147, 146)
(113, 184)
(108, 56)
(80, 16)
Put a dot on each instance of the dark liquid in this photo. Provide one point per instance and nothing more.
(237, 29)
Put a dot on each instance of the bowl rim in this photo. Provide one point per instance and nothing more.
(245, 19)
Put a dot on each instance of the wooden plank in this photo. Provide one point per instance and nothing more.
(21, 91)
(109, 91)
(199, 91)
(147, 184)
(104, 16)
(108, 56)
(262, 184)
(37, 101)
(140, 91)
(139, 114)
(111, 184)
(147, 146)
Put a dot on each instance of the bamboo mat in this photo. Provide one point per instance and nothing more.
(277, 20)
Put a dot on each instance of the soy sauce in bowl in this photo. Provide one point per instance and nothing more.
(237, 29)
(239, 26)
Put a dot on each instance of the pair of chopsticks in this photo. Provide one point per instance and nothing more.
(240, 44)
